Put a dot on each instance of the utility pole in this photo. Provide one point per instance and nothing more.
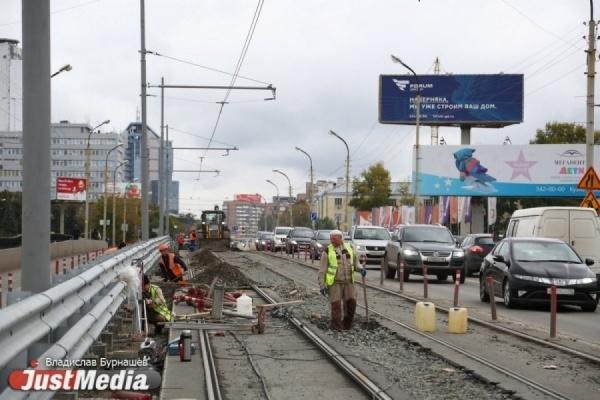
(145, 162)
(290, 194)
(346, 226)
(35, 256)
(435, 129)
(310, 190)
(278, 201)
(161, 162)
(591, 74)
(168, 180)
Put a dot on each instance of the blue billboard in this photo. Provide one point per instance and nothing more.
(475, 100)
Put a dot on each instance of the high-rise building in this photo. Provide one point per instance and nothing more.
(243, 217)
(68, 144)
(11, 89)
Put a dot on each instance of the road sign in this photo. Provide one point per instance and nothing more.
(589, 180)
(103, 221)
(313, 216)
(590, 201)
(125, 227)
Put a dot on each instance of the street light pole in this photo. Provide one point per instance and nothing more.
(417, 141)
(591, 74)
(145, 162)
(114, 206)
(88, 181)
(346, 226)
(278, 201)
(290, 194)
(105, 191)
(310, 191)
(161, 162)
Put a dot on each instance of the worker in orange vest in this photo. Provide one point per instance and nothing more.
(171, 265)
(193, 237)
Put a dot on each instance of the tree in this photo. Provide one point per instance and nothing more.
(10, 213)
(373, 189)
(325, 223)
(562, 132)
(406, 197)
(301, 212)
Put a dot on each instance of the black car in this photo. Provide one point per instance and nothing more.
(298, 240)
(476, 247)
(319, 243)
(524, 269)
(413, 246)
(264, 241)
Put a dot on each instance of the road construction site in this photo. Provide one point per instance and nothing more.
(386, 357)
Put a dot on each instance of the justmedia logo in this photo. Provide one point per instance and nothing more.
(402, 84)
(571, 153)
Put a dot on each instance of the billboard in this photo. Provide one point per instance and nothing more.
(543, 170)
(70, 189)
(250, 198)
(133, 190)
(475, 100)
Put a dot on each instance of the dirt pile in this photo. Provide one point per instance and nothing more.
(206, 267)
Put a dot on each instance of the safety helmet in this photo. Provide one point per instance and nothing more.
(163, 246)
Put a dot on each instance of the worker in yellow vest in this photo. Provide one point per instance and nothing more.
(157, 309)
(336, 280)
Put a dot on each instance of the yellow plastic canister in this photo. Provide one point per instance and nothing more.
(457, 320)
(425, 316)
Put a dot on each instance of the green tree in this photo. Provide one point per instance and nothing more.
(325, 223)
(562, 132)
(301, 212)
(373, 189)
(10, 213)
(406, 197)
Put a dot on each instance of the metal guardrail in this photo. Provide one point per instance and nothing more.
(65, 320)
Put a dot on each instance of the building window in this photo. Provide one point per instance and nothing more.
(338, 202)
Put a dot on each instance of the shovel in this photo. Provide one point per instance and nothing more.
(363, 261)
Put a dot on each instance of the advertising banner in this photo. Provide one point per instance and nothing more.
(475, 100)
(70, 189)
(496, 171)
(250, 198)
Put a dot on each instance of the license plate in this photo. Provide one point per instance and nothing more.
(436, 259)
(568, 292)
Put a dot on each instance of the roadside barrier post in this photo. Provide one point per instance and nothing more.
(553, 311)
(305, 255)
(424, 281)
(490, 287)
(401, 275)
(56, 268)
(456, 287)
(0, 290)
(10, 282)
(381, 272)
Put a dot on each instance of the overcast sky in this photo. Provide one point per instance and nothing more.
(324, 57)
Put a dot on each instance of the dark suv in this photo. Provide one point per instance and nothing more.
(433, 245)
(299, 240)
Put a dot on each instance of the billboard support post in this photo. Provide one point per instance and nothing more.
(61, 207)
(465, 134)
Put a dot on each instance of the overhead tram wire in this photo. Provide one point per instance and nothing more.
(238, 67)
(199, 137)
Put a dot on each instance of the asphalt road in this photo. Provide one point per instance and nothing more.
(570, 320)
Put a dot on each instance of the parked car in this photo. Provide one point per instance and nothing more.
(264, 241)
(370, 241)
(476, 247)
(319, 243)
(280, 236)
(299, 240)
(576, 226)
(412, 246)
(524, 269)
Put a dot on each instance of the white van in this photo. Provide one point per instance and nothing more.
(577, 226)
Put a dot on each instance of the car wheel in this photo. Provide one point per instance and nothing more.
(508, 295)
(484, 296)
(590, 307)
(389, 272)
(442, 277)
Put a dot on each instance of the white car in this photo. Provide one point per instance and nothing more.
(370, 241)
(279, 237)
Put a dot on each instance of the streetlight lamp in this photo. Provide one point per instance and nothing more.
(64, 68)
(346, 226)
(417, 144)
(114, 210)
(278, 201)
(88, 179)
(105, 191)
(290, 194)
(310, 191)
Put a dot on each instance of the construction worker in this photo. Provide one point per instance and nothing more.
(180, 241)
(193, 237)
(336, 280)
(156, 306)
(171, 265)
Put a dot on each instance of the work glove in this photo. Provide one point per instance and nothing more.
(363, 272)
(323, 291)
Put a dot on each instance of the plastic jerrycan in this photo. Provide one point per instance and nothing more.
(425, 316)
(244, 304)
(457, 320)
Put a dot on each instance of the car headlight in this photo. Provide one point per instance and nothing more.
(556, 281)
(319, 245)
(359, 247)
(410, 252)
(458, 253)
(294, 242)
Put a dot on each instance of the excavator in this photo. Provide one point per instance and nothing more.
(214, 234)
